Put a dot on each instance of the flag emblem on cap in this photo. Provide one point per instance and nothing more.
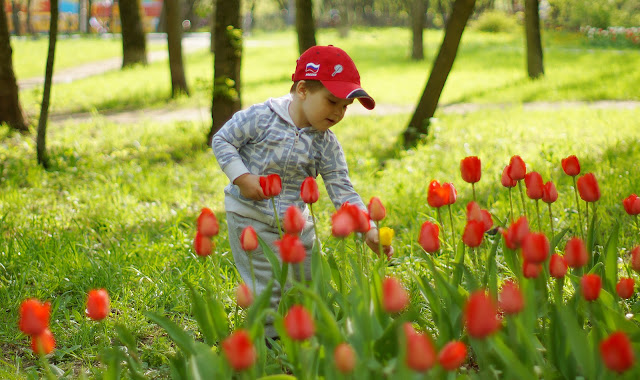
(312, 69)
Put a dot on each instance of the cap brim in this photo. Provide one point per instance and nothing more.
(348, 90)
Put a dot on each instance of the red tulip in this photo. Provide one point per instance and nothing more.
(293, 220)
(588, 188)
(591, 285)
(429, 240)
(34, 316)
(298, 323)
(531, 270)
(480, 315)
(470, 168)
(474, 212)
(437, 196)
(533, 182)
(557, 266)
(291, 249)
(473, 233)
(203, 245)
(344, 357)
(98, 304)
(549, 193)
(452, 355)
(43, 343)
(632, 204)
(616, 352)
(239, 351)
(244, 296)
(207, 223)
(487, 220)
(271, 185)
(575, 253)
(421, 354)
(249, 239)
(377, 212)
(515, 234)
(309, 190)
(535, 247)
(571, 165)
(342, 223)
(505, 179)
(453, 194)
(517, 168)
(510, 299)
(635, 259)
(394, 296)
(360, 217)
(624, 288)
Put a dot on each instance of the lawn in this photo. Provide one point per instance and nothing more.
(118, 208)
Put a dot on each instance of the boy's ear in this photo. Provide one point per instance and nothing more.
(301, 89)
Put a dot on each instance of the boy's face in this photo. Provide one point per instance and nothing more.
(321, 109)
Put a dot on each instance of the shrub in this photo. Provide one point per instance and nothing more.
(495, 22)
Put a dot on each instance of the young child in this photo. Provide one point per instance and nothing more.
(289, 136)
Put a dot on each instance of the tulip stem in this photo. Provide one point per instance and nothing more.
(586, 207)
(538, 214)
(275, 214)
(473, 188)
(511, 204)
(253, 275)
(440, 219)
(380, 251)
(44, 362)
(575, 190)
(453, 238)
(551, 221)
(524, 206)
(315, 229)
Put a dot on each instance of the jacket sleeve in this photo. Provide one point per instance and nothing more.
(335, 173)
(234, 134)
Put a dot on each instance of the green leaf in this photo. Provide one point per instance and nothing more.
(278, 377)
(511, 362)
(218, 314)
(578, 341)
(261, 303)
(335, 273)
(331, 330)
(459, 264)
(202, 315)
(611, 260)
(203, 364)
(273, 260)
(177, 334)
(491, 276)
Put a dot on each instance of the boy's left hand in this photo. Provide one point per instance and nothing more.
(371, 238)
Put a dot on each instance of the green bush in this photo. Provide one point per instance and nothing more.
(573, 14)
(495, 22)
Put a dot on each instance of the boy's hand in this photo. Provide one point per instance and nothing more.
(371, 238)
(249, 185)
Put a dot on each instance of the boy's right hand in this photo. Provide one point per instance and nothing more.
(249, 185)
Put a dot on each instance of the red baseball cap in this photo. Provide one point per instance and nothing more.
(335, 69)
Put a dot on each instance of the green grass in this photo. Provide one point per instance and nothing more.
(118, 208)
(30, 55)
(490, 68)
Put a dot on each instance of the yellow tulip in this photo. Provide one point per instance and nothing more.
(386, 235)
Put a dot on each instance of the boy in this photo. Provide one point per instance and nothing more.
(289, 136)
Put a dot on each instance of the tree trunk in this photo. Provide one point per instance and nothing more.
(41, 141)
(305, 25)
(226, 64)
(10, 108)
(29, 26)
(535, 66)
(213, 28)
(419, 124)
(344, 23)
(417, 27)
(174, 43)
(134, 44)
(15, 17)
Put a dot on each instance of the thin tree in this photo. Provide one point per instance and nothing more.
(419, 124)
(10, 108)
(305, 25)
(134, 44)
(535, 66)
(15, 17)
(174, 44)
(226, 64)
(417, 27)
(41, 141)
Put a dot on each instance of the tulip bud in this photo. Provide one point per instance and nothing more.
(557, 266)
(291, 249)
(515, 234)
(293, 220)
(437, 196)
(588, 188)
(428, 239)
(535, 247)
(309, 190)
(244, 297)
(271, 185)
(98, 304)
(377, 211)
(517, 168)
(394, 297)
(345, 358)
(386, 236)
(533, 182)
(453, 193)
(34, 316)
(202, 245)
(239, 351)
(298, 323)
(549, 193)
(531, 270)
(591, 285)
(421, 354)
(43, 343)
(481, 315)
(635, 259)
(505, 179)
(575, 253)
(632, 204)
(473, 233)
(470, 168)
(452, 355)
(571, 165)
(510, 299)
(207, 223)
(624, 288)
(617, 353)
(249, 239)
